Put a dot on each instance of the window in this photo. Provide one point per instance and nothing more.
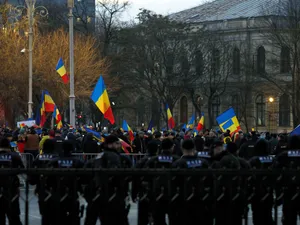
(285, 65)
(215, 61)
(199, 63)
(235, 104)
(261, 60)
(183, 110)
(284, 110)
(260, 110)
(236, 62)
(215, 109)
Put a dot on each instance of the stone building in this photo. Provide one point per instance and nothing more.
(257, 102)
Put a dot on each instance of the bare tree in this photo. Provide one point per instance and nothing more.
(107, 20)
(284, 35)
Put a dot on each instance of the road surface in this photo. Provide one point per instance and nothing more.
(35, 218)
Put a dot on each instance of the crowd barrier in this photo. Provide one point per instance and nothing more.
(230, 191)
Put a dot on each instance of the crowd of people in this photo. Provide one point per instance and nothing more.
(185, 201)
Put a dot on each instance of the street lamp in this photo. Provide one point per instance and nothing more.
(271, 99)
(71, 46)
(31, 12)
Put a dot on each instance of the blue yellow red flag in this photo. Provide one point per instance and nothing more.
(171, 122)
(61, 70)
(228, 121)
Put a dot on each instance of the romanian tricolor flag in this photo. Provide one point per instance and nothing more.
(48, 102)
(127, 128)
(61, 70)
(201, 123)
(228, 121)
(126, 147)
(56, 115)
(100, 98)
(171, 122)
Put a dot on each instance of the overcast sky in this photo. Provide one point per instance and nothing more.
(160, 6)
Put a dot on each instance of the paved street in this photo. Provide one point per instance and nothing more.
(34, 215)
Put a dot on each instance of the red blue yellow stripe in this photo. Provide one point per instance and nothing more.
(201, 123)
(100, 98)
(171, 122)
(61, 70)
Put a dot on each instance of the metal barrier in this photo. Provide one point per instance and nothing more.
(88, 156)
(214, 194)
(27, 159)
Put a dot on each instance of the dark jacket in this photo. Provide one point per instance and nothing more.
(90, 145)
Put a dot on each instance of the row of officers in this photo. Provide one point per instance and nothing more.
(186, 200)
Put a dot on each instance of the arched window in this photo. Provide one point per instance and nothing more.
(215, 109)
(261, 60)
(215, 61)
(183, 110)
(199, 63)
(285, 65)
(284, 110)
(260, 110)
(236, 69)
(235, 101)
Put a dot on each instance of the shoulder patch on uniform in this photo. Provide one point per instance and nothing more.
(45, 157)
(250, 146)
(194, 163)
(65, 163)
(5, 157)
(166, 159)
(204, 155)
(293, 153)
(266, 159)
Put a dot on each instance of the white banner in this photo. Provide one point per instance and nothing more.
(28, 123)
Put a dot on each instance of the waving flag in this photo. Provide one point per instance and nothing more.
(171, 122)
(126, 147)
(296, 131)
(150, 126)
(48, 102)
(61, 70)
(201, 123)
(127, 128)
(100, 98)
(56, 115)
(228, 121)
(191, 123)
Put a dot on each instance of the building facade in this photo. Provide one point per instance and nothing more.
(257, 101)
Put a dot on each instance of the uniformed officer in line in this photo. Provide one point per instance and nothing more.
(229, 208)
(194, 203)
(65, 189)
(262, 200)
(106, 197)
(159, 187)
(288, 186)
(42, 190)
(140, 186)
(9, 203)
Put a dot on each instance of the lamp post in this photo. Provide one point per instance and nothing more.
(271, 100)
(71, 47)
(31, 11)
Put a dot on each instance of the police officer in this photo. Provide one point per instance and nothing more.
(139, 187)
(262, 201)
(106, 197)
(42, 190)
(191, 207)
(281, 145)
(65, 190)
(159, 199)
(9, 203)
(58, 141)
(229, 210)
(288, 186)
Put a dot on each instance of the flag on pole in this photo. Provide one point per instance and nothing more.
(171, 122)
(191, 123)
(56, 115)
(61, 70)
(127, 128)
(228, 121)
(100, 98)
(150, 126)
(201, 123)
(48, 102)
(296, 131)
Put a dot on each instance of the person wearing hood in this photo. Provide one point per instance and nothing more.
(262, 209)
(90, 145)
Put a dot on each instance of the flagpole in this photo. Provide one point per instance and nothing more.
(71, 46)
